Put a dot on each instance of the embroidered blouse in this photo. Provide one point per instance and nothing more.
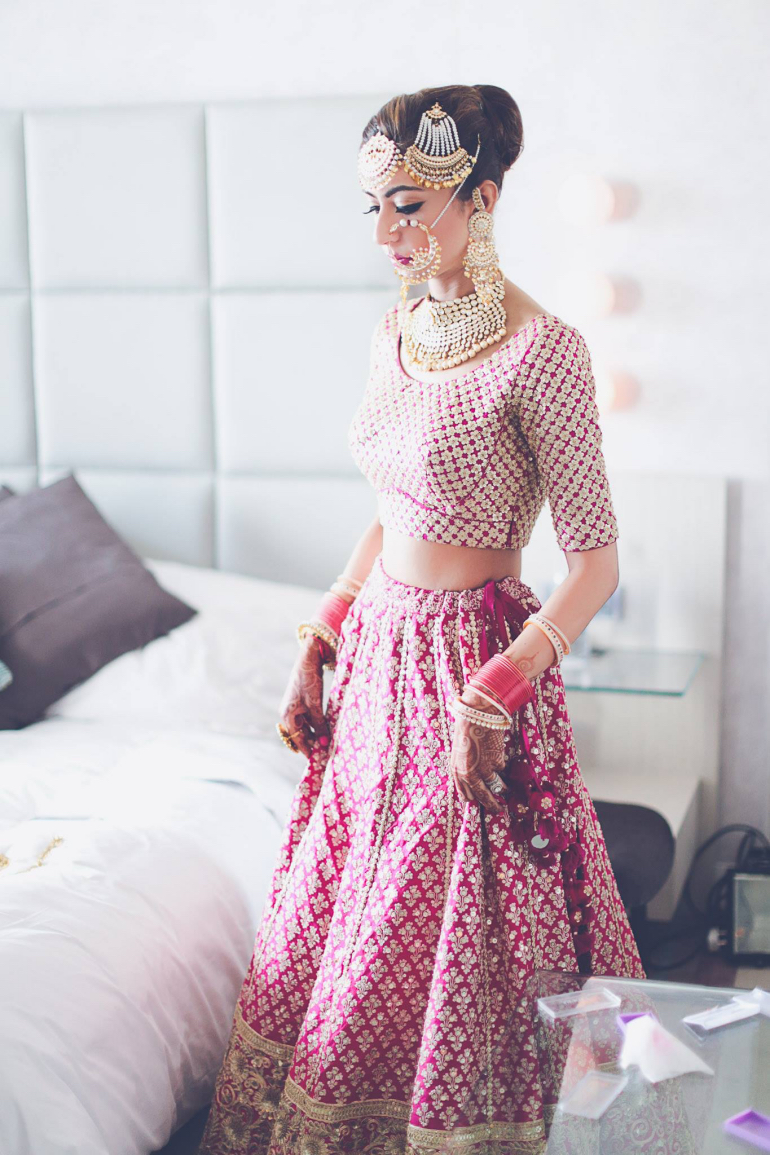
(471, 460)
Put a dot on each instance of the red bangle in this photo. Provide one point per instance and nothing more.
(501, 677)
(332, 610)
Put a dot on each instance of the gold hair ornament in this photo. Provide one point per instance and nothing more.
(436, 159)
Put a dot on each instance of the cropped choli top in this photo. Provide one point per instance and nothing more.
(471, 460)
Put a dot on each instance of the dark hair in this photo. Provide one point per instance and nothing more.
(482, 109)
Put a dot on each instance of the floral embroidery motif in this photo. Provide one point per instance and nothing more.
(390, 1003)
(471, 460)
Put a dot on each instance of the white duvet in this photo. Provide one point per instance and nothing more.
(140, 820)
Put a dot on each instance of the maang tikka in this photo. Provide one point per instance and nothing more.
(441, 334)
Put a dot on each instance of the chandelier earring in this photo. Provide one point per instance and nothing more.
(481, 262)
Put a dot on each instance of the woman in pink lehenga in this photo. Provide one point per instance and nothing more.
(441, 845)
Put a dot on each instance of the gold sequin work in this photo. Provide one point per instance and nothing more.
(472, 460)
(390, 1004)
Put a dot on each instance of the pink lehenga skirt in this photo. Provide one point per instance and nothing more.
(389, 1005)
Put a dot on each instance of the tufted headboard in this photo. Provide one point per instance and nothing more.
(187, 295)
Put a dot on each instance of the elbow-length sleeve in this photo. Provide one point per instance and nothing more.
(559, 418)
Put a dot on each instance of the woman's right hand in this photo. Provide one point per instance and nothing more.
(477, 755)
(301, 707)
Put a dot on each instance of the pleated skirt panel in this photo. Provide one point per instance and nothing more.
(390, 1003)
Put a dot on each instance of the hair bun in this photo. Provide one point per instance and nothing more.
(504, 118)
(480, 111)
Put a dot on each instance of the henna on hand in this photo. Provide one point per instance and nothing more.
(301, 707)
(477, 753)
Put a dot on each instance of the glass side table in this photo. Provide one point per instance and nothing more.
(682, 1115)
(625, 671)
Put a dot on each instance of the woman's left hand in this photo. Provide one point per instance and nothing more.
(477, 754)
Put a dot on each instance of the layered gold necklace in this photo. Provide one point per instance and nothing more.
(442, 334)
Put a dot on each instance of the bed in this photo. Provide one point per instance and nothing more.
(139, 823)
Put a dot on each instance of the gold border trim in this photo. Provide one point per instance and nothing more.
(320, 1112)
(336, 1112)
(459, 1136)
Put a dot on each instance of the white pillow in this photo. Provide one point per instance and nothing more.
(225, 670)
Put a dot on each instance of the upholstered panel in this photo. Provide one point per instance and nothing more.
(123, 380)
(14, 272)
(17, 417)
(286, 207)
(163, 515)
(289, 369)
(301, 528)
(117, 198)
(20, 479)
(193, 337)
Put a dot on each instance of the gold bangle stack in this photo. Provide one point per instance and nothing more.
(315, 627)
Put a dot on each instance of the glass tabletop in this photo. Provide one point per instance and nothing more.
(631, 671)
(678, 1115)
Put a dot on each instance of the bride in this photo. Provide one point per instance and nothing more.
(442, 846)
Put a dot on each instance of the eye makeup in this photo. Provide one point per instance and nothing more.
(399, 208)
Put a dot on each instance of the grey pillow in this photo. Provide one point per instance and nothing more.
(73, 596)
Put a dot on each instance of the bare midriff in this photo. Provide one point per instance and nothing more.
(434, 565)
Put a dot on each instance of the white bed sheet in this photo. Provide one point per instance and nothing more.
(122, 954)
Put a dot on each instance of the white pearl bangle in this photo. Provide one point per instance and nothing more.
(564, 639)
(343, 587)
(483, 717)
(550, 633)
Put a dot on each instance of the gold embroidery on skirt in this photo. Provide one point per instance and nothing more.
(395, 751)
(258, 1102)
(447, 739)
(260, 1107)
(485, 969)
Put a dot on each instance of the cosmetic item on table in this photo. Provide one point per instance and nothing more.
(723, 1015)
(592, 1095)
(626, 1018)
(658, 1054)
(758, 996)
(751, 1126)
(577, 1002)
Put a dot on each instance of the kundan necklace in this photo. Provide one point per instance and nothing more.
(442, 334)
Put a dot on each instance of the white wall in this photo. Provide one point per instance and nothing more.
(670, 96)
